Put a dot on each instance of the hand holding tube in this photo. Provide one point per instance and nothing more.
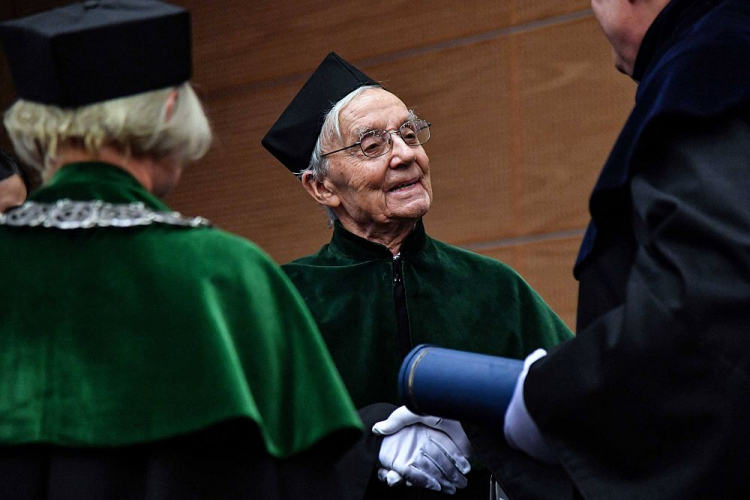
(520, 429)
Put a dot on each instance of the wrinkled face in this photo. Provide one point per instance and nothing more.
(12, 192)
(389, 189)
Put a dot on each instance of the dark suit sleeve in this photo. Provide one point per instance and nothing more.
(650, 398)
(520, 476)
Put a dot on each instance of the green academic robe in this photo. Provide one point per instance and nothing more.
(373, 308)
(112, 335)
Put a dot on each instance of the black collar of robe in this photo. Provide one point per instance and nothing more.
(681, 79)
(356, 247)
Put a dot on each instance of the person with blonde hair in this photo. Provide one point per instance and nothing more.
(145, 354)
(132, 127)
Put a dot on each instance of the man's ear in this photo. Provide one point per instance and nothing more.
(170, 104)
(321, 191)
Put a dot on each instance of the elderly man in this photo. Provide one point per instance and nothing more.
(13, 185)
(650, 400)
(144, 354)
(382, 285)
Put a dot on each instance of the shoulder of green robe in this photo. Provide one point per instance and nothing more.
(531, 305)
(323, 258)
(460, 255)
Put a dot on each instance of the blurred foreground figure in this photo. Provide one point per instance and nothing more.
(650, 400)
(143, 354)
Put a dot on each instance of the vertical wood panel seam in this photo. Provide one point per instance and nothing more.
(516, 141)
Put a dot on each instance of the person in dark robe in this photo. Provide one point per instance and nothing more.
(144, 354)
(13, 184)
(650, 400)
(382, 285)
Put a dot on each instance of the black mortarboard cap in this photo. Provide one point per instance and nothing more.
(292, 138)
(97, 50)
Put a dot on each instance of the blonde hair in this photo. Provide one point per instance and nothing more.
(135, 125)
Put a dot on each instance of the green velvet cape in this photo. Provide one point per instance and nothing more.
(112, 336)
(454, 298)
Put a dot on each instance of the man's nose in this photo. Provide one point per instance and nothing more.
(401, 153)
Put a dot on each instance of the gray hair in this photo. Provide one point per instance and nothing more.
(134, 124)
(331, 134)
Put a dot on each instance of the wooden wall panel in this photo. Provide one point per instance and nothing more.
(240, 42)
(571, 107)
(523, 124)
(547, 267)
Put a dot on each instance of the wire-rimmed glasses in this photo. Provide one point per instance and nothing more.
(377, 142)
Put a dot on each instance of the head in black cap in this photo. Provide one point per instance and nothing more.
(292, 138)
(13, 185)
(104, 76)
(358, 150)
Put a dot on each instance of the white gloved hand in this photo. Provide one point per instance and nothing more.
(520, 430)
(391, 477)
(425, 451)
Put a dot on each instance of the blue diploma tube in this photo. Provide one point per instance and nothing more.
(457, 384)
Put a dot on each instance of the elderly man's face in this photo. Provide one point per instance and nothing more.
(12, 192)
(381, 191)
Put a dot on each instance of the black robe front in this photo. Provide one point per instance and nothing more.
(651, 399)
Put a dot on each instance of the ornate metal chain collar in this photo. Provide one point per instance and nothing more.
(69, 214)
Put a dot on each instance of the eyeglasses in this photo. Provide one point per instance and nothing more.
(378, 142)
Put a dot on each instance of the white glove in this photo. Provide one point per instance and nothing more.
(520, 429)
(426, 451)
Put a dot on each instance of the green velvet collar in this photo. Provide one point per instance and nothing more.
(96, 181)
(353, 246)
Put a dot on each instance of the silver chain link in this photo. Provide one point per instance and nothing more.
(70, 214)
